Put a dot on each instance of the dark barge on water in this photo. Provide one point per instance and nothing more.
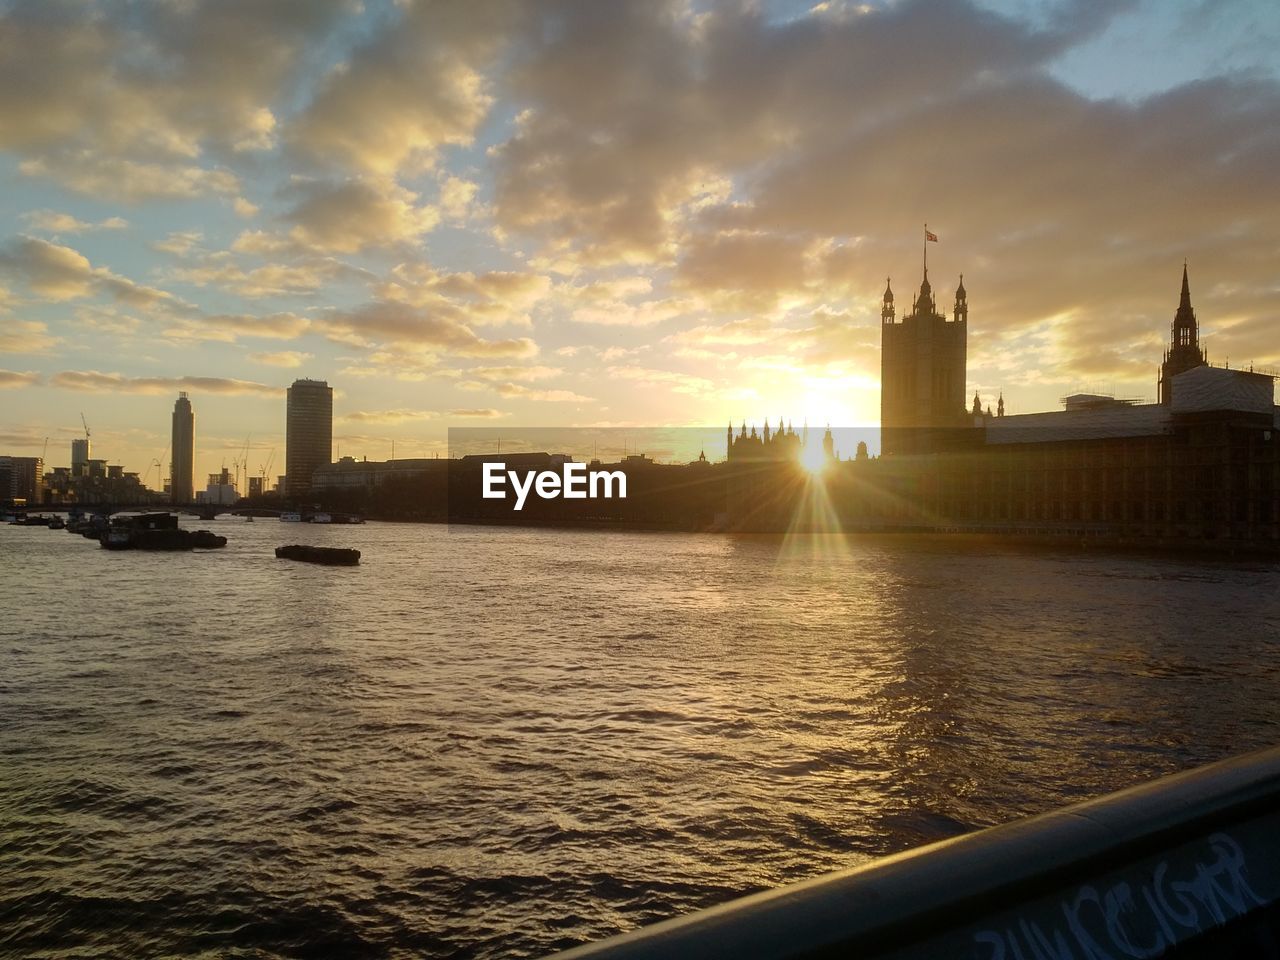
(155, 531)
(1184, 867)
(329, 556)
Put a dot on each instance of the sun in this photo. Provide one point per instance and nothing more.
(812, 458)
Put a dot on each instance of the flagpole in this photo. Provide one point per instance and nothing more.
(926, 251)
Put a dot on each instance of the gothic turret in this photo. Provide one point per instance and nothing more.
(1184, 351)
(961, 312)
(924, 301)
(1000, 405)
(886, 311)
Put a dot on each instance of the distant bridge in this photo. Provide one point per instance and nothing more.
(203, 511)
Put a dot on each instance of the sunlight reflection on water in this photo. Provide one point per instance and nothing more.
(495, 742)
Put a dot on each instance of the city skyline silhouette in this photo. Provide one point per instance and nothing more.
(526, 217)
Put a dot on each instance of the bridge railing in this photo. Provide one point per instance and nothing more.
(1188, 865)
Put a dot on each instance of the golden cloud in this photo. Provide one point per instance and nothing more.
(93, 381)
(26, 337)
(10, 379)
(285, 358)
(398, 323)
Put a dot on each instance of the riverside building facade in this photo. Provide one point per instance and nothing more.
(1202, 464)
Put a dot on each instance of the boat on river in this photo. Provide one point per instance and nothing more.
(122, 538)
(329, 556)
(156, 531)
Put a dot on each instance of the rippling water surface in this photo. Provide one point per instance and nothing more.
(498, 742)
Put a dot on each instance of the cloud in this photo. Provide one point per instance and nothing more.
(355, 214)
(95, 175)
(59, 273)
(673, 380)
(92, 381)
(299, 278)
(129, 106)
(456, 197)
(180, 243)
(227, 328)
(50, 221)
(10, 379)
(521, 392)
(402, 324)
(491, 298)
(480, 413)
(284, 358)
(29, 337)
(403, 415)
(737, 333)
(751, 270)
(416, 86)
(618, 302)
(639, 115)
(388, 416)
(514, 373)
(108, 319)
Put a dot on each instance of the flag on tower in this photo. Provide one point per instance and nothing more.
(930, 236)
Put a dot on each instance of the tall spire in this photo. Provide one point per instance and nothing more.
(886, 310)
(1184, 351)
(1186, 332)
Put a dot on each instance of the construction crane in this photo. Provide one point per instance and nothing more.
(86, 426)
(243, 461)
(266, 469)
(159, 464)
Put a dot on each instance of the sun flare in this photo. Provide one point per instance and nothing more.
(812, 458)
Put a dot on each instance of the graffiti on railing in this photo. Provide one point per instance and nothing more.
(1120, 920)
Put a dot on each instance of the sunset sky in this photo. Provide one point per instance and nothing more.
(606, 213)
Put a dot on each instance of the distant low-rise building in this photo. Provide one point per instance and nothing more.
(349, 473)
(220, 491)
(96, 482)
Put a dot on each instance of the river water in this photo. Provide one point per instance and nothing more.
(489, 742)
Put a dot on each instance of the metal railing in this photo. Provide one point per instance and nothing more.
(1183, 862)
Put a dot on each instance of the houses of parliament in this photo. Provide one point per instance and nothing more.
(1200, 464)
